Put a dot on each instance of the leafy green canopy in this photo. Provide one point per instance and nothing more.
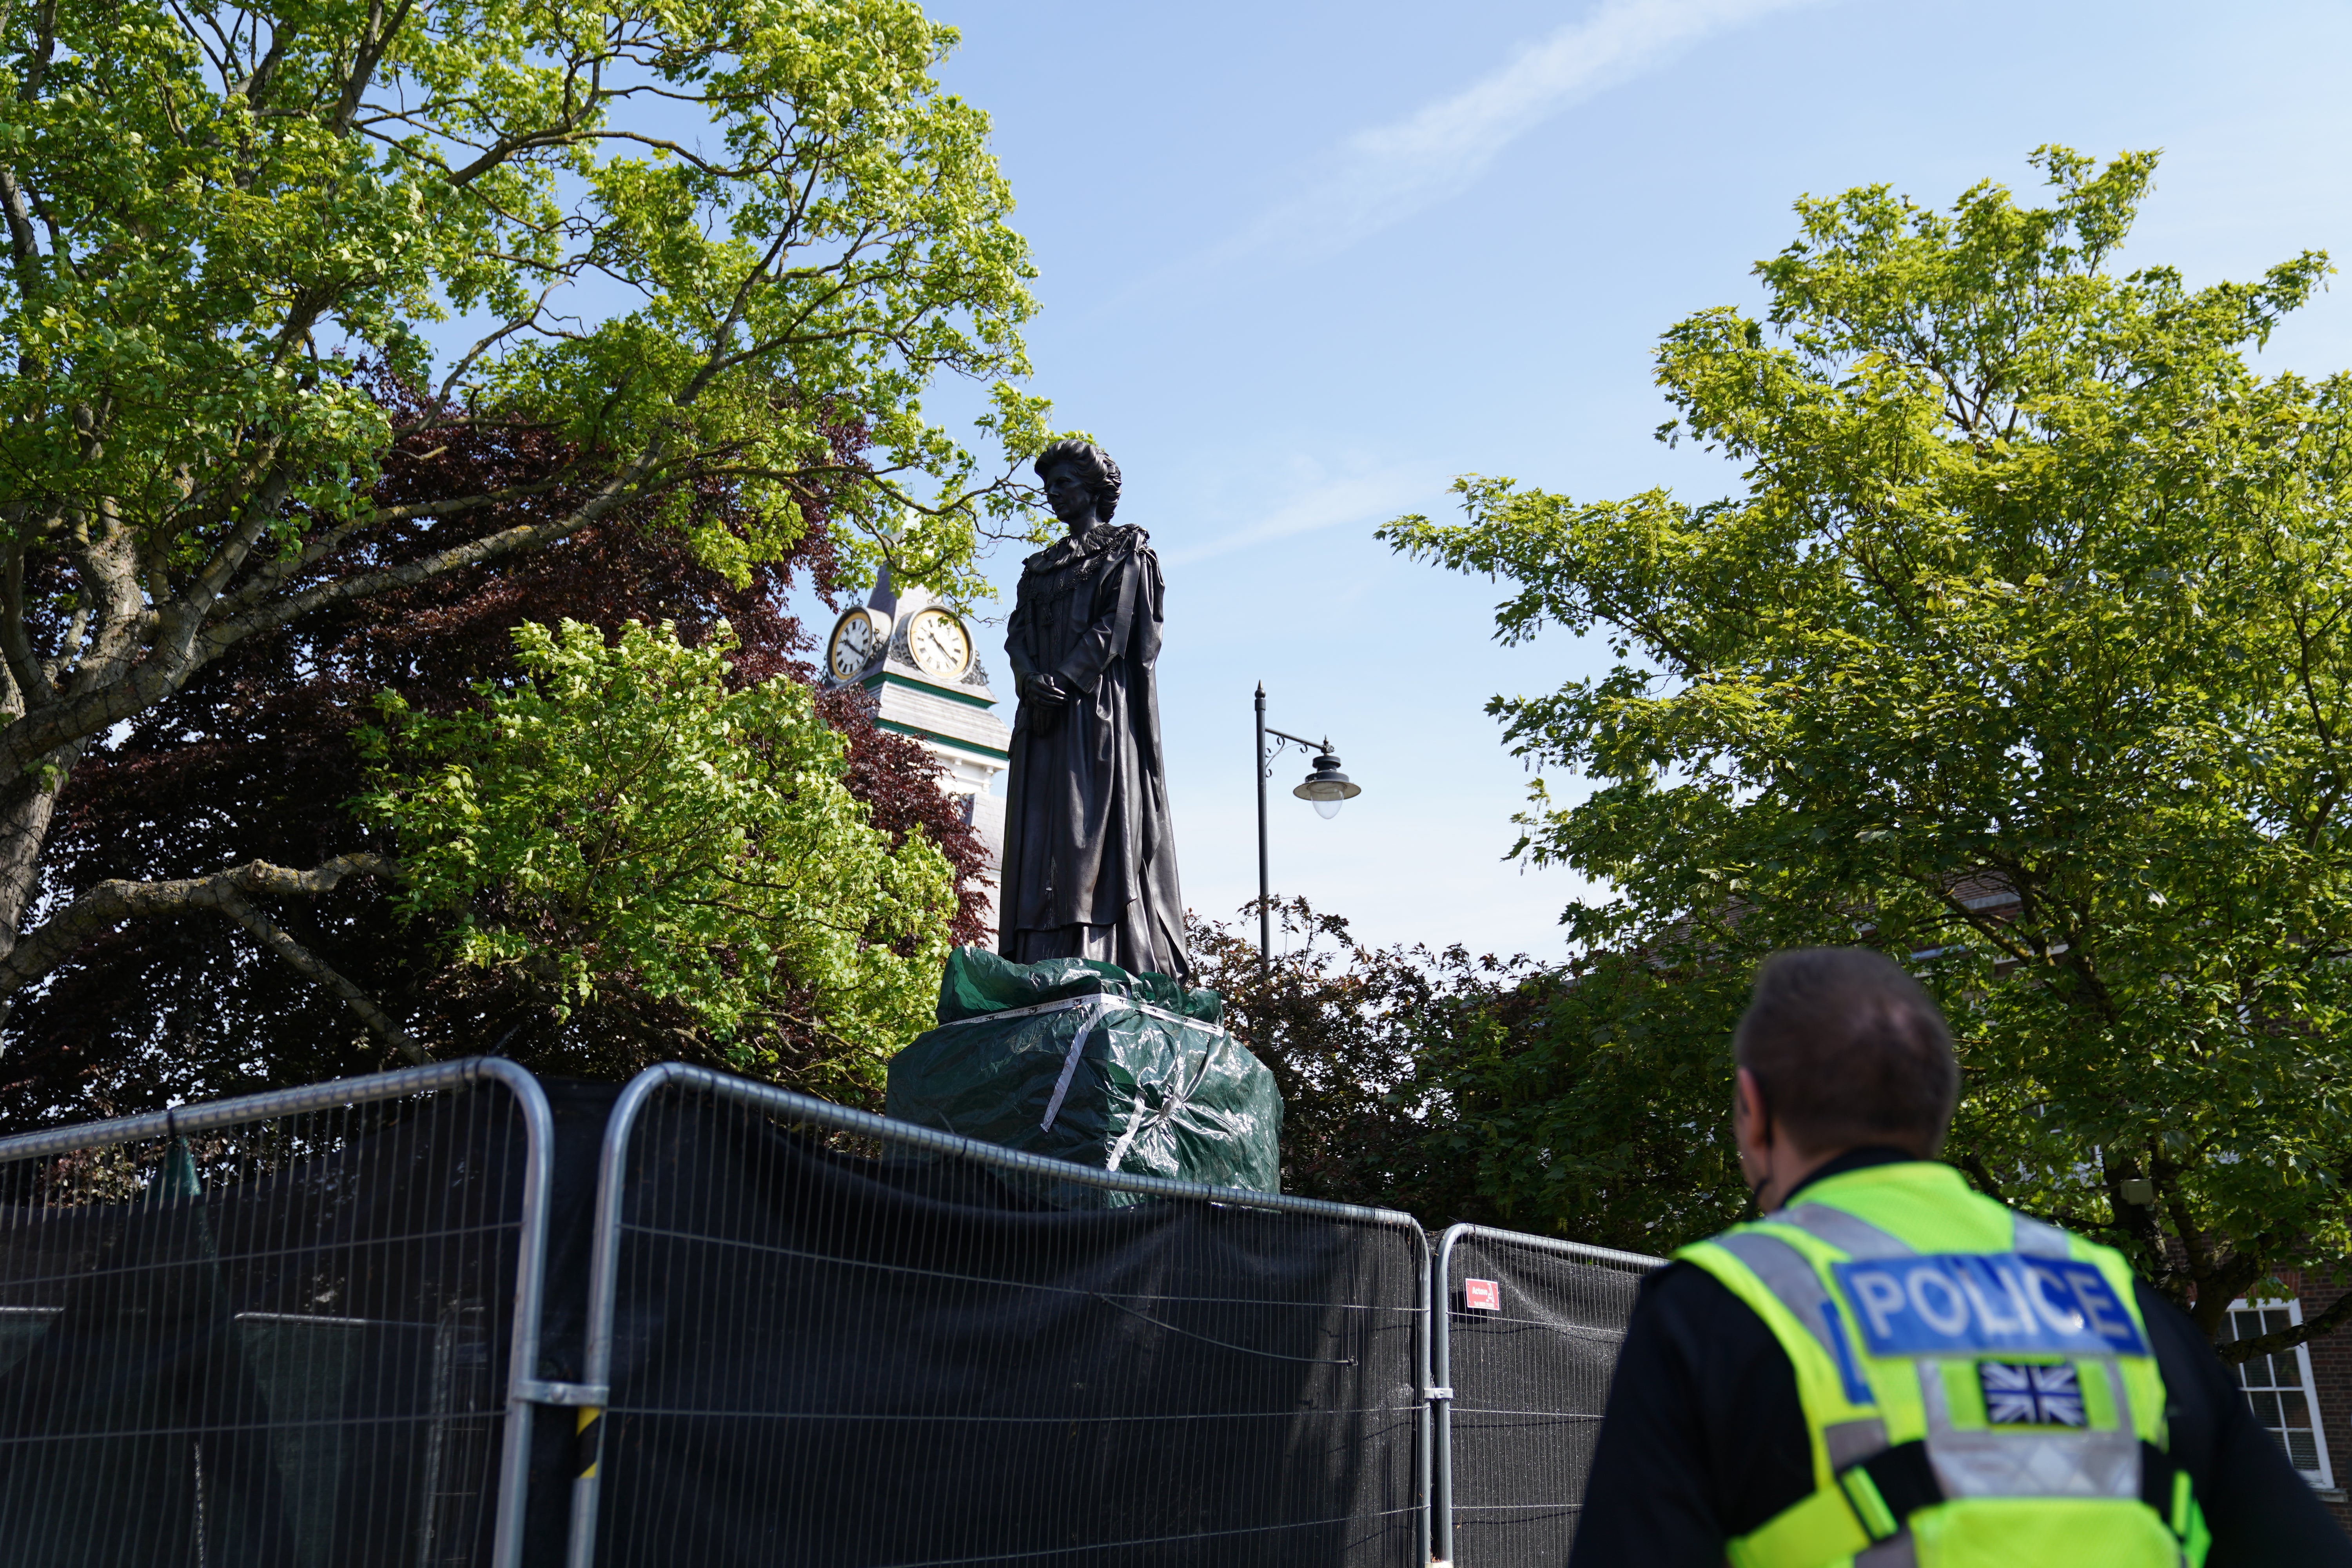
(205, 204)
(711, 255)
(1376, 1051)
(2022, 652)
(625, 816)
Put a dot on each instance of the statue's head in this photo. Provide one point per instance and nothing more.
(1080, 480)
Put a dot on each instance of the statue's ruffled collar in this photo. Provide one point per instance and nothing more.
(1096, 541)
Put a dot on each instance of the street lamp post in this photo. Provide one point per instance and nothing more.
(1327, 788)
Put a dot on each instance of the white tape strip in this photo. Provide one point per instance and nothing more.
(1070, 1062)
(1026, 1012)
(1126, 1140)
(1087, 1002)
(1103, 1004)
(1167, 1112)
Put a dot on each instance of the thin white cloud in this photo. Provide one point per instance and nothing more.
(1360, 498)
(1385, 175)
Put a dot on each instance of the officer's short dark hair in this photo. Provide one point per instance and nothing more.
(1848, 1051)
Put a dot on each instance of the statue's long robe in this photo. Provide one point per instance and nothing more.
(1089, 865)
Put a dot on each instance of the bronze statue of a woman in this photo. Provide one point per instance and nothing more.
(1089, 868)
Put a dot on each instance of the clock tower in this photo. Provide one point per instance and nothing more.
(921, 662)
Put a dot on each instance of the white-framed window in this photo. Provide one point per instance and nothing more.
(2285, 1401)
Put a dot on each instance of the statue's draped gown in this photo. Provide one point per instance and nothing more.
(1089, 859)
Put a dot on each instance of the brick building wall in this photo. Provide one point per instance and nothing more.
(2331, 1379)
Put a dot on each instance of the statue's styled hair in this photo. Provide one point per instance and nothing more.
(1091, 461)
(1849, 1050)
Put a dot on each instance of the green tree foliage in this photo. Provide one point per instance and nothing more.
(623, 818)
(2021, 651)
(253, 759)
(1603, 1114)
(689, 247)
(1374, 1050)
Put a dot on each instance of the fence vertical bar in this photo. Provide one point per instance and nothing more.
(1426, 1447)
(603, 1285)
(531, 1280)
(1441, 1390)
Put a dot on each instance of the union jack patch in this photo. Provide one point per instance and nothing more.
(2030, 1395)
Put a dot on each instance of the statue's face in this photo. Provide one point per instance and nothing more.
(1071, 497)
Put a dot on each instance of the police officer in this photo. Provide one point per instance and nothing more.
(1891, 1370)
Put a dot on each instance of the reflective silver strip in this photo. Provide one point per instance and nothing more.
(2037, 1461)
(1788, 1276)
(2036, 1239)
(1859, 1238)
(1851, 1442)
(1855, 1237)
(1894, 1552)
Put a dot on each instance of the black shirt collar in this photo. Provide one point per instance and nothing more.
(1860, 1159)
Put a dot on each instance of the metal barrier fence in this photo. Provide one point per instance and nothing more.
(303, 1328)
(871, 1343)
(291, 1328)
(1526, 1331)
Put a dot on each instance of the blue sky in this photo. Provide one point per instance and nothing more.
(1304, 263)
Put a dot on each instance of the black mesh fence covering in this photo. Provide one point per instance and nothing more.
(836, 1347)
(274, 1339)
(1528, 1343)
(289, 1332)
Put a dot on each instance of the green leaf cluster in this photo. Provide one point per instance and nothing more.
(2021, 652)
(697, 239)
(627, 821)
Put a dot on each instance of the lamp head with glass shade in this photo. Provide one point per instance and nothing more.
(1327, 788)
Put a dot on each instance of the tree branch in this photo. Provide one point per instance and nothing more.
(260, 511)
(115, 901)
(373, 41)
(311, 967)
(163, 670)
(2339, 1312)
(32, 683)
(621, 487)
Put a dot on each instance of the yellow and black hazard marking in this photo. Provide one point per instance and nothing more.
(587, 1442)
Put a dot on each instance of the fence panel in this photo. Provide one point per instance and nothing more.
(289, 1329)
(1527, 1331)
(830, 1338)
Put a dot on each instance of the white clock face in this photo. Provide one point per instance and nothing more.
(939, 642)
(852, 648)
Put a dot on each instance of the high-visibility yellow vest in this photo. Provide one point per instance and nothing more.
(1979, 1386)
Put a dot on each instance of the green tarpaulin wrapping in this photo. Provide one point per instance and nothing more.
(1077, 1060)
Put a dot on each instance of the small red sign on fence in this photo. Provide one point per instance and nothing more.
(1482, 1295)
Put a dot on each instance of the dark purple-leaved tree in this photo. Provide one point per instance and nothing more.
(252, 762)
(684, 250)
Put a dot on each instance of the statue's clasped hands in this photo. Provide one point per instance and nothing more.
(1048, 692)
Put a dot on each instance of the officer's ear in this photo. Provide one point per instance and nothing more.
(1751, 1118)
